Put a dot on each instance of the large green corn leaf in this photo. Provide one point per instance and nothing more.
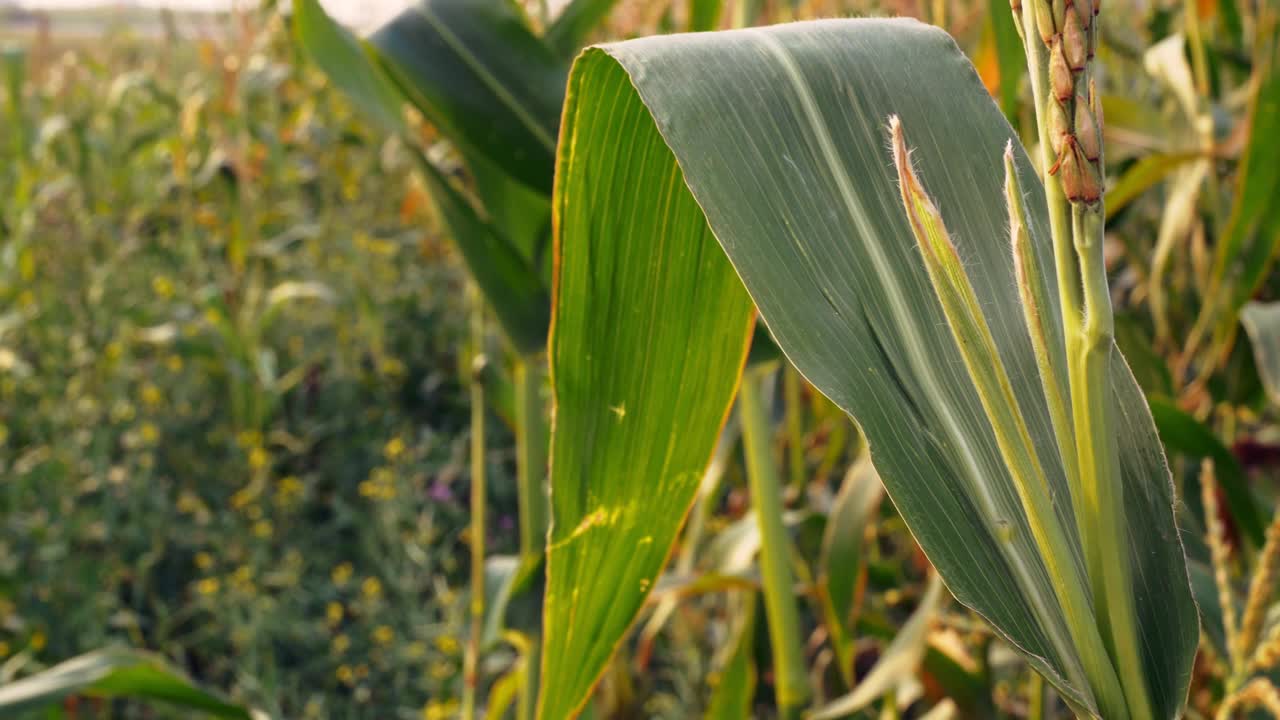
(780, 135)
(115, 673)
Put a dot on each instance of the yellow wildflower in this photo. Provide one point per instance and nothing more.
(204, 560)
(440, 710)
(448, 644)
(394, 448)
(258, 458)
(151, 395)
(345, 675)
(208, 586)
(340, 644)
(371, 588)
(289, 489)
(333, 613)
(38, 640)
(383, 635)
(162, 286)
(341, 573)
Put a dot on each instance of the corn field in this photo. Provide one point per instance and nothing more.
(643, 358)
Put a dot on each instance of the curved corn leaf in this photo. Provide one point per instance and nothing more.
(478, 73)
(780, 135)
(115, 673)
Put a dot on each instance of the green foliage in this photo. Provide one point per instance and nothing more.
(231, 421)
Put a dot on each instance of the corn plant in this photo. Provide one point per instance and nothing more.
(493, 88)
(853, 184)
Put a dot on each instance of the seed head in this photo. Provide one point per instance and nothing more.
(1060, 80)
(1075, 45)
(1084, 8)
(1095, 103)
(1080, 181)
(1044, 20)
(1059, 126)
(1087, 131)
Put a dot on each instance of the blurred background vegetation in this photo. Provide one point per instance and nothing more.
(234, 361)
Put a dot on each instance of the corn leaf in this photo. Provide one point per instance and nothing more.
(650, 329)
(503, 247)
(347, 62)
(114, 673)
(478, 73)
(508, 280)
(780, 135)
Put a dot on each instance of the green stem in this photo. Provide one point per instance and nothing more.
(792, 690)
(528, 707)
(531, 460)
(1036, 706)
(1100, 467)
(471, 661)
(1069, 297)
(795, 434)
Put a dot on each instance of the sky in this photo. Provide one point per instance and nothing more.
(359, 13)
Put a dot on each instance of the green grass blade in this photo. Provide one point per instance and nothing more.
(115, 673)
(780, 135)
